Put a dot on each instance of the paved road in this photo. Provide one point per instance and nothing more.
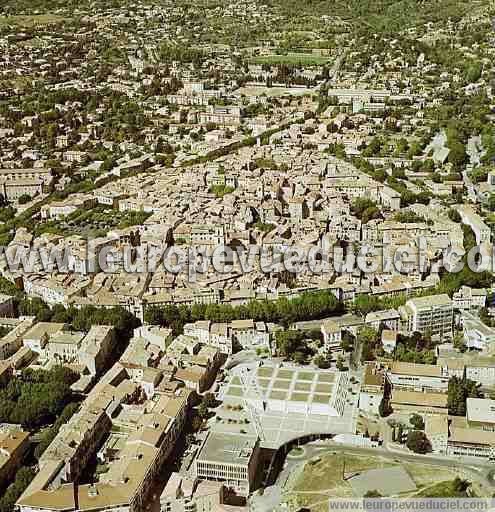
(332, 74)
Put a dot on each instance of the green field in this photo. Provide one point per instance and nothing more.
(291, 59)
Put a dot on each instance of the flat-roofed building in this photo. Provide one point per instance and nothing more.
(470, 442)
(63, 346)
(332, 335)
(417, 377)
(35, 173)
(389, 319)
(481, 371)
(480, 413)
(477, 335)
(367, 95)
(183, 494)
(468, 298)
(420, 403)
(13, 447)
(248, 333)
(371, 393)
(432, 314)
(40, 334)
(437, 432)
(221, 115)
(12, 190)
(476, 223)
(230, 459)
(12, 341)
(452, 366)
(194, 377)
(96, 347)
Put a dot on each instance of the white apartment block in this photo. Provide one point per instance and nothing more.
(477, 335)
(468, 298)
(482, 373)
(432, 314)
(476, 223)
(480, 413)
(332, 335)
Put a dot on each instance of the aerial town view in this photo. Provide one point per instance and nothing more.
(247, 255)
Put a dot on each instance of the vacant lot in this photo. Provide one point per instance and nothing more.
(327, 476)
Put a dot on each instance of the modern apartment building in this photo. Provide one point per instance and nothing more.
(433, 314)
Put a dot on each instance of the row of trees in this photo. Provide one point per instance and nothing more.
(82, 319)
(309, 306)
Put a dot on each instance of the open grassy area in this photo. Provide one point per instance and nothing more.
(30, 21)
(449, 489)
(323, 477)
(291, 59)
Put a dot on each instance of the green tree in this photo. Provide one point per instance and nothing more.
(24, 198)
(418, 442)
(491, 203)
(417, 422)
(340, 364)
(322, 362)
(369, 340)
(203, 411)
(372, 494)
(457, 156)
(209, 400)
(384, 408)
(23, 478)
(460, 389)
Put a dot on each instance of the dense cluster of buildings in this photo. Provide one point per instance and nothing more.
(157, 128)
